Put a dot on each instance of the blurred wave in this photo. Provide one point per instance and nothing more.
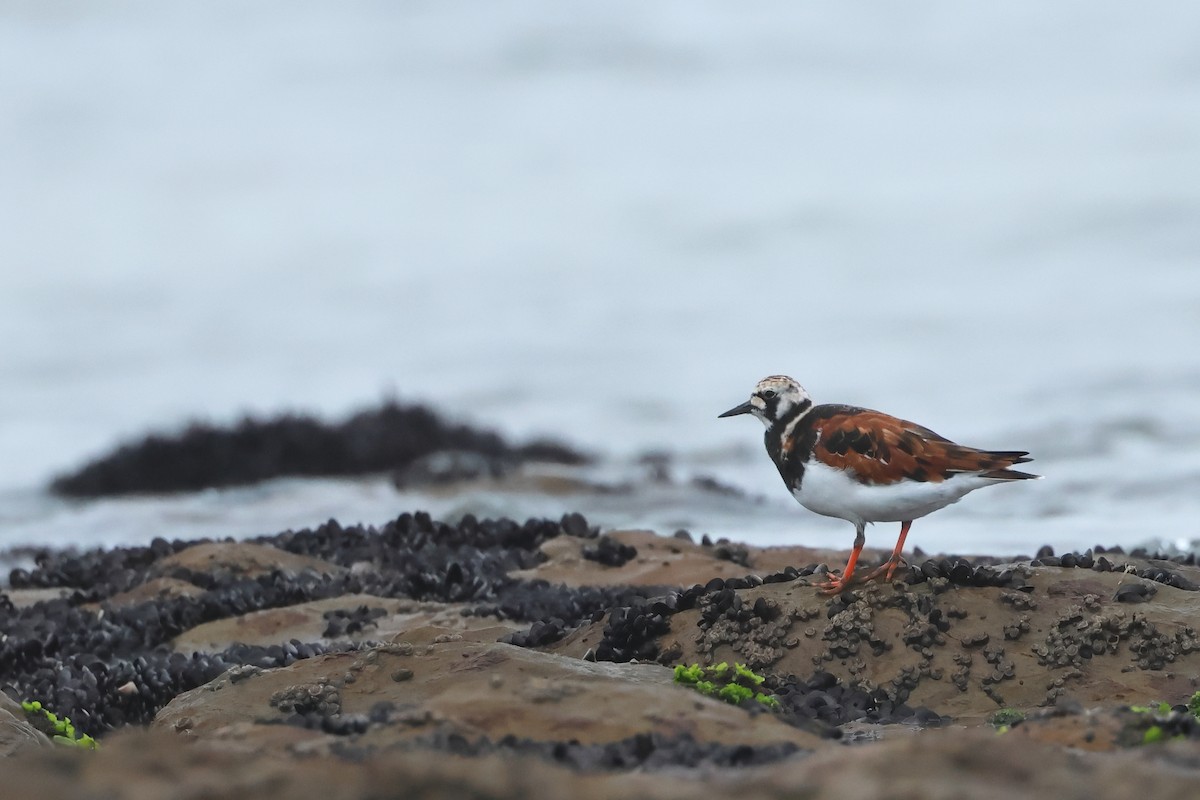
(604, 224)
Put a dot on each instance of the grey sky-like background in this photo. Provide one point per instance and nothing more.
(605, 222)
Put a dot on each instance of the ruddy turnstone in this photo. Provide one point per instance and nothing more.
(865, 466)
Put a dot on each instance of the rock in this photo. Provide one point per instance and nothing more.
(152, 590)
(310, 622)
(24, 598)
(332, 661)
(960, 651)
(452, 688)
(241, 559)
(639, 558)
(16, 734)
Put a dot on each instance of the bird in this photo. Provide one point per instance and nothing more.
(865, 466)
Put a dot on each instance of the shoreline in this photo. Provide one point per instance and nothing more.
(549, 645)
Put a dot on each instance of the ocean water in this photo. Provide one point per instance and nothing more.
(604, 223)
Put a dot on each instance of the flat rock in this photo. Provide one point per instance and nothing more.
(473, 689)
(153, 589)
(24, 598)
(241, 558)
(308, 622)
(660, 561)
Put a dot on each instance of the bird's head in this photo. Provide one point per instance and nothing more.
(772, 399)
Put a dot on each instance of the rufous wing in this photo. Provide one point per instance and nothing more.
(882, 449)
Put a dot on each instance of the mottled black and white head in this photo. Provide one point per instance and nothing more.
(776, 398)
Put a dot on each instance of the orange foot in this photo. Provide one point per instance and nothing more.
(886, 570)
(838, 583)
(835, 585)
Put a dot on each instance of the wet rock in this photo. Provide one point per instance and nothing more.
(388, 437)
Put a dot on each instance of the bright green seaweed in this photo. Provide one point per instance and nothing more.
(731, 685)
(63, 732)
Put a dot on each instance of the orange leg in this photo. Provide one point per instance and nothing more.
(888, 567)
(835, 584)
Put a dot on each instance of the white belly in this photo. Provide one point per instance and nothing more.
(834, 493)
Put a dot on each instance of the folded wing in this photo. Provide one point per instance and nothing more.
(882, 449)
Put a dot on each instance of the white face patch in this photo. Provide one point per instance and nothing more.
(786, 394)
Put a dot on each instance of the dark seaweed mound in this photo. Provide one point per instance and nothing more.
(115, 668)
(389, 437)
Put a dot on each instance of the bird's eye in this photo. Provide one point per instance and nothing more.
(768, 394)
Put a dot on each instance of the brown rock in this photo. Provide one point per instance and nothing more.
(16, 734)
(23, 598)
(242, 558)
(983, 649)
(153, 589)
(454, 687)
(307, 623)
(664, 561)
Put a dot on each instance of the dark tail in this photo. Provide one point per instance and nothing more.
(1011, 457)
(1009, 475)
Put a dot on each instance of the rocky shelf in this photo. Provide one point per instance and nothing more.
(500, 659)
